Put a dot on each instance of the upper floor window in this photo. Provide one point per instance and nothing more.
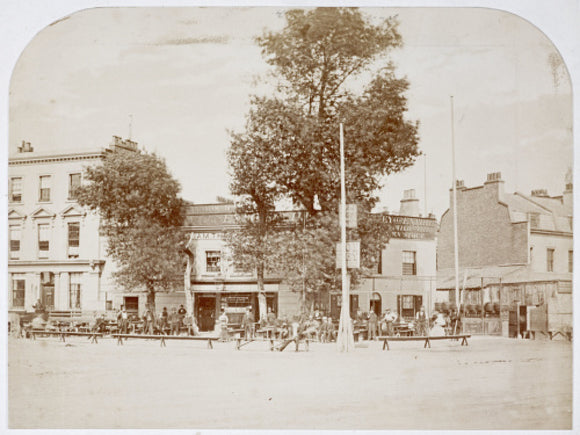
(409, 263)
(15, 241)
(550, 259)
(73, 239)
(213, 261)
(43, 240)
(534, 219)
(74, 182)
(18, 286)
(16, 189)
(570, 261)
(44, 193)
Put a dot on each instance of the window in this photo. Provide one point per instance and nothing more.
(409, 263)
(550, 258)
(212, 261)
(18, 285)
(73, 239)
(16, 189)
(75, 290)
(531, 254)
(74, 182)
(43, 240)
(534, 219)
(570, 261)
(44, 194)
(14, 242)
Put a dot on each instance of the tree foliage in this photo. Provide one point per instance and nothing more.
(289, 147)
(141, 216)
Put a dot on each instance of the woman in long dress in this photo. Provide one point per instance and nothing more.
(438, 328)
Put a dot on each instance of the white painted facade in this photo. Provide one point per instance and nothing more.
(56, 253)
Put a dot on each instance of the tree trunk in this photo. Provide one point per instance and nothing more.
(189, 300)
(262, 305)
(151, 299)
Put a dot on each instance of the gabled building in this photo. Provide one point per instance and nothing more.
(515, 255)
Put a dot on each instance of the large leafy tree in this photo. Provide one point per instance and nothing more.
(331, 66)
(141, 216)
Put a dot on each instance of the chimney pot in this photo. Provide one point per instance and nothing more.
(540, 192)
(494, 176)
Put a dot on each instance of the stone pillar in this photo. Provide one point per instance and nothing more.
(90, 292)
(35, 289)
(57, 296)
(64, 291)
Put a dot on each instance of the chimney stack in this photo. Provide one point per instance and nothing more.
(541, 193)
(495, 182)
(409, 204)
(25, 147)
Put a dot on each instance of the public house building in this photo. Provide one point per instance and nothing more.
(405, 278)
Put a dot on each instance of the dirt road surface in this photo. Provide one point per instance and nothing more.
(494, 383)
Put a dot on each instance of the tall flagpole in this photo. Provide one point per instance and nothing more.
(345, 338)
(455, 241)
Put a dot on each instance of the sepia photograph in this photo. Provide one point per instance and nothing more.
(289, 217)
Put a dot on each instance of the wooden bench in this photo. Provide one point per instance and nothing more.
(62, 334)
(163, 337)
(241, 342)
(427, 339)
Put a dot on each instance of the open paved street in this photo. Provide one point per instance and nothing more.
(494, 383)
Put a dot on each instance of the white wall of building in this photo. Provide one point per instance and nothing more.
(54, 214)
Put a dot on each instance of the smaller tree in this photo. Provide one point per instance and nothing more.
(137, 199)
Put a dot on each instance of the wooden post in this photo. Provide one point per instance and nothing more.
(345, 338)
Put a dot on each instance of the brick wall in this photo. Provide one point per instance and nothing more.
(486, 235)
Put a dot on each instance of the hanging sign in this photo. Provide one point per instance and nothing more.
(351, 216)
(352, 255)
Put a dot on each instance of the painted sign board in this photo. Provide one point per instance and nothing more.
(409, 227)
(352, 255)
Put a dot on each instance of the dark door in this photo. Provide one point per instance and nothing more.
(47, 290)
(205, 307)
(376, 304)
(514, 322)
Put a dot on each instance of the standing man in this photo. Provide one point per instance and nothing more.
(223, 322)
(123, 320)
(174, 322)
(390, 318)
(373, 325)
(247, 323)
(181, 314)
(149, 318)
(421, 317)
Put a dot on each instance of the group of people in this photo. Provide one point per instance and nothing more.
(166, 322)
(437, 324)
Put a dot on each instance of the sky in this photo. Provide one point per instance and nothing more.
(178, 79)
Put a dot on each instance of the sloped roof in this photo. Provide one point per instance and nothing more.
(552, 213)
(493, 274)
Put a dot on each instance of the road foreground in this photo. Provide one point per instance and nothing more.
(494, 383)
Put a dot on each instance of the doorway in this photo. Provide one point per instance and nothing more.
(47, 290)
(205, 306)
(376, 303)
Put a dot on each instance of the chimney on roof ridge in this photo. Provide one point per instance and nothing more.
(493, 176)
(459, 184)
(25, 147)
(409, 203)
(495, 182)
(541, 193)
